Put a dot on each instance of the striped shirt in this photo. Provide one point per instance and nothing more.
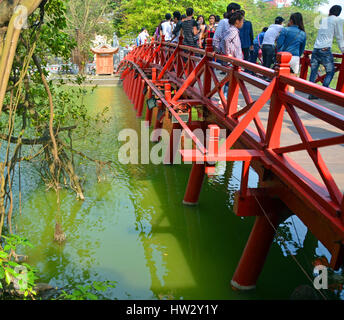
(187, 27)
(232, 43)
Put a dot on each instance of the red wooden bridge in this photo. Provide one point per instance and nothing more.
(268, 128)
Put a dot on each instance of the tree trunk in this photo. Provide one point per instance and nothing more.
(6, 10)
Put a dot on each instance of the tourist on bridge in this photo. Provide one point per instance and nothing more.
(157, 31)
(246, 37)
(208, 31)
(268, 48)
(166, 27)
(188, 29)
(142, 37)
(232, 40)
(257, 45)
(201, 26)
(223, 28)
(292, 39)
(217, 20)
(176, 21)
(331, 26)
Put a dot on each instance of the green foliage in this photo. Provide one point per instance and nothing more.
(94, 291)
(308, 4)
(135, 14)
(53, 40)
(85, 19)
(16, 279)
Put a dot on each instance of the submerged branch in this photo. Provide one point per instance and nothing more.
(35, 141)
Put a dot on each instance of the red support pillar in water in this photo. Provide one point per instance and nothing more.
(149, 111)
(196, 178)
(141, 100)
(126, 84)
(133, 92)
(137, 90)
(138, 93)
(157, 125)
(132, 84)
(173, 144)
(195, 182)
(255, 253)
(129, 84)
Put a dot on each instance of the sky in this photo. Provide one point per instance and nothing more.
(326, 7)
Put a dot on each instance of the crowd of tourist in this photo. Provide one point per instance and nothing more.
(233, 36)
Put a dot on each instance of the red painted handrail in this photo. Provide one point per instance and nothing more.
(339, 67)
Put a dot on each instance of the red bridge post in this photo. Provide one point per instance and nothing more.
(197, 174)
(159, 123)
(150, 94)
(133, 92)
(275, 120)
(195, 182)
(305, 63)
(141, 100)
(148, 117)
(137, 91)
(131, 84)
(255, 253)
(263, 231)
(340, 83)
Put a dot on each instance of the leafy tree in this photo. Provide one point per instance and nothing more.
(85, 19)
(308, 4)
(38, 119)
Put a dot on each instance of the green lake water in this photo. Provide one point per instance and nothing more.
(133, 228)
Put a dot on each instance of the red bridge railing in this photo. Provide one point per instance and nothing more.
(181, 77)
(339, 68)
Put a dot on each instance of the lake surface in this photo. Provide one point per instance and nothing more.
(133, 228)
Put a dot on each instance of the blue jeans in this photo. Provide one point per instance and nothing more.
(269, 55)
(324, 57)
(254, 54)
